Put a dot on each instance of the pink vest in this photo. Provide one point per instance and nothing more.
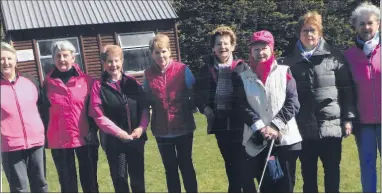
(171, 114)
(367, 76)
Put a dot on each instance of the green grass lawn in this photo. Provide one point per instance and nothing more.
(209, 167)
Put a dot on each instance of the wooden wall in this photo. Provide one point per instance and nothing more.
(91, 39)
(173, 43)
(29, 67)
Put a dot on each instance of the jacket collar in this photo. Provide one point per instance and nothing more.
(54, 72)
(210, 61)
(125, 77)
(159, 70)
(18, 74)
(322, 49)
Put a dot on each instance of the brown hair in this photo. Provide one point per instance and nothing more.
(222, 31)
(111, 50)
(160, 41)
(313, 18)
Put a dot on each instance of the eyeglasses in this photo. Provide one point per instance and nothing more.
(306, 31)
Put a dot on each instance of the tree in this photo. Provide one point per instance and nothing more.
(2, 33)
(198, 17)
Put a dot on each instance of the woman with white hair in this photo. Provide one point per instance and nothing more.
(70, 130)
(22, 129)
(364, 59)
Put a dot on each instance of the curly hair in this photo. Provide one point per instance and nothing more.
(222, 31)
(364, 9)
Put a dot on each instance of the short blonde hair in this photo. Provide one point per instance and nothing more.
(160, 41)
(113, 50)
(7, 47)
(313, 18)
(222, 31)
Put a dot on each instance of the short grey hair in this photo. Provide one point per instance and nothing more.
(365, 8)
(62, 45)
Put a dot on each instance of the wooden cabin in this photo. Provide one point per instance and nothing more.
(31, 26)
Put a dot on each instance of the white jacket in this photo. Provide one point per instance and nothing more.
(267, 100)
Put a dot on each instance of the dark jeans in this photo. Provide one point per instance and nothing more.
(64, 160)
(127, 160)
(25, 166)
(329, 151)
(254, 168)
(368, 139)
(177, 151)
(233, 153)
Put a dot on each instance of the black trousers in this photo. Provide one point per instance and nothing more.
(87, 157)
(127, 160)
(177, 152)
(233, 153)
(255, 165)
(25, 166)
(329, 151)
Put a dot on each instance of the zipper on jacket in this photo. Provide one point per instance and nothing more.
(126, 101)
(167, 100)
(21, 117)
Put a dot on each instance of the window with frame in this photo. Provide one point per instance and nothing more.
(136, 52)
(45, 53)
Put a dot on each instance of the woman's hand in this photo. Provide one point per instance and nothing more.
(137, 132)
(124, 136)
(348, 128)
(270, 133)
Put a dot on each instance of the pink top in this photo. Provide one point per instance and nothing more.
(367, 76)
(68, 120)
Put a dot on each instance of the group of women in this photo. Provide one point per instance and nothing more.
(265, 113)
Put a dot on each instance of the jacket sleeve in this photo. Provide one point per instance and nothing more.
(147, 91)
(92, 137)
(189, 78)
(143, 108)
(202, 89)
(96, 112)
(251, 117)
(291, 105)
(190, 82)
(44, 106)
(345, 89)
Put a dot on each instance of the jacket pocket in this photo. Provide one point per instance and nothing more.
(327, 109)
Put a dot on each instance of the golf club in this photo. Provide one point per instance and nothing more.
(266, 162)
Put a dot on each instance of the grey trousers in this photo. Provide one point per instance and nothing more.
(25, 167)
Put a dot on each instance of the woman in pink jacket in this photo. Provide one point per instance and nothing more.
(22, 130)
(365, 64)
(70, 130)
